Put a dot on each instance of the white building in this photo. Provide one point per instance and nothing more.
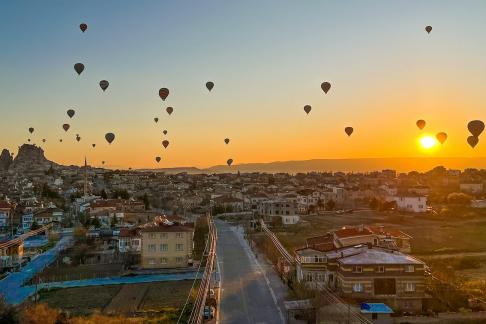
(285, 209)
(411, 203)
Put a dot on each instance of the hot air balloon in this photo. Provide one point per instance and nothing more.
(70, 113)
(104, 85)
(229, 162)
(78, 138)
(60, 140)
(165, 132)
(428, 29)
(441, 137)
(83, 27)
(226, 140)
(325, 86)
(163, 93)
(475, 127)
(28, 140)
(420, 123)
(169, 110)
(79, 68)
(102, 162)
(156, 120)
(307, 109)
(157, 158)
(65, 127)
(93, 145)
(110, 137)
(165, 143)
(209, 85)
(31, 130)
(349, 130)
(473, 140)
(43, 140)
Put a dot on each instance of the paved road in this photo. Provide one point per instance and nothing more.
(247, 295)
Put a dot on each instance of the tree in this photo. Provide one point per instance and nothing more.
(145, 201)
(103, 194)
(388, 205)
(374, 203)
(459, 198)
(80, 234)
(34, 226)
(96, 222)
(330, 204)
(114, 221)
(123, 194)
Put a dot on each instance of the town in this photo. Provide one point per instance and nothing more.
(385, 245)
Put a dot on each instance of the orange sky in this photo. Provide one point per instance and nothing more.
(386, 72)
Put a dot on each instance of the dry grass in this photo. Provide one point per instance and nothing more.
(429, 235)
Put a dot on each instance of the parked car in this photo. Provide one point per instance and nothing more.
(208, 312)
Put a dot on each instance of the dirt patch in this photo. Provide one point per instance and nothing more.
(80, 301)
(127, 300)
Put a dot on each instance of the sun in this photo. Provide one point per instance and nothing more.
(428, 142)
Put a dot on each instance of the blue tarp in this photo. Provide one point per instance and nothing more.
(378, 308)
(10, 286)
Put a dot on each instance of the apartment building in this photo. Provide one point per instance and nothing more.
(285, 209)
(365, 273)
(381, 275)
(166, 244)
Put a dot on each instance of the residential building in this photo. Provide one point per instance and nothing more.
(166, 244)
(411, 203)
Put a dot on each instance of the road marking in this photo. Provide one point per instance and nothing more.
(252, 257)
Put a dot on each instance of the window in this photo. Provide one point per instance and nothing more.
(358, 287)
(357, 269)
(163, 260)
(163, 235)
(179, 247)
(151, 248)
(164, 247)
(380, 269)
(409, 268)
(178, 235)
(151, 261)
(178, 260)
(409, 286)
(151, 235)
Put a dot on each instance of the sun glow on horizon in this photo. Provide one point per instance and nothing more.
(427, 142)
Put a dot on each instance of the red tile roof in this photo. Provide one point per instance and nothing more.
(352, 231)
(5, 205)
(321, 243)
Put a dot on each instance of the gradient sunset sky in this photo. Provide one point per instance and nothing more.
(267, 60)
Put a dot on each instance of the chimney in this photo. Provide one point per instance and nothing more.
(361, 228)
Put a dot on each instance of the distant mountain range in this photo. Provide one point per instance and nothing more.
(344, 165)
(32, 157)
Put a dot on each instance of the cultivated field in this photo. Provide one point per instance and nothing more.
(82, 300)
(161, 300)
(61, 272)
